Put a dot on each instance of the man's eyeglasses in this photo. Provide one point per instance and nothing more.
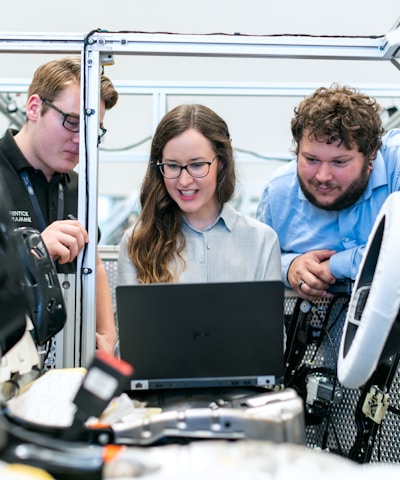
(195, 169)
(71, 122)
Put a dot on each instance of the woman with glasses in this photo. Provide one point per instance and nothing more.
(187, 231)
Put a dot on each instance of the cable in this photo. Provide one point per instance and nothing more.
(263, 157)
(394, 410)
(129, 147)
(236, 149)
(235, 34)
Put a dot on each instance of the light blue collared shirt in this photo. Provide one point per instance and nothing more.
(302, 227)
(235, 248)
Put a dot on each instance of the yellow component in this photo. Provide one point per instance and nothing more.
(16, 471)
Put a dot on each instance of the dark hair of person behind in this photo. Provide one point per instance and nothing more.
(157, 241)
(339, 114)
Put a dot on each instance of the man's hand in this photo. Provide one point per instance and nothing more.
(64, 239)
(309, 274)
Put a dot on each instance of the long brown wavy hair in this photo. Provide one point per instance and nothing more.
(157, 241)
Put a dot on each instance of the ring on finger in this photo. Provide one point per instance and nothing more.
(301, 284)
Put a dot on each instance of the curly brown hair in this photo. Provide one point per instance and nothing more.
(157, 240)
(339, 114)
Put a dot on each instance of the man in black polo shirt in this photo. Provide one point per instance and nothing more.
(38, 164)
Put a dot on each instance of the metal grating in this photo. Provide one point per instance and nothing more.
(387, 447)
(50, 360)
(109, 256)
(337, 431)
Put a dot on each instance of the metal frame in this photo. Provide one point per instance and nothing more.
(98, 47)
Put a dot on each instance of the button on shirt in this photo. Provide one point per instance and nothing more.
(302, 227)
(235, 248)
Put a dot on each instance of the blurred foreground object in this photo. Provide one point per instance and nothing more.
(371, 330)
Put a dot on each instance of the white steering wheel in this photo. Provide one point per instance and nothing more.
(375, 299)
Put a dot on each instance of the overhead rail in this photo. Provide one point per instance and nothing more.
(383, 47)
(246, 88)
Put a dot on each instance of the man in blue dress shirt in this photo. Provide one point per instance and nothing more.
(323, 204)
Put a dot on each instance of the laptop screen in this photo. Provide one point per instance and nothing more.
(202, 335)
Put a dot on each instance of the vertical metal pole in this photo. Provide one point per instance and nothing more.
(159, 108)
(87, 206)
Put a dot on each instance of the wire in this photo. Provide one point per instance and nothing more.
(236, 34)
(259, 155)
(236, 149)
(394, 410)
(49, 345)
(129, 147)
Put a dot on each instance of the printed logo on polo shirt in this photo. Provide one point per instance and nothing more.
(20, 216)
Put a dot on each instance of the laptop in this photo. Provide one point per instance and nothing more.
(183, 336)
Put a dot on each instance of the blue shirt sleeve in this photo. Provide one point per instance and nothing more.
(302, 227)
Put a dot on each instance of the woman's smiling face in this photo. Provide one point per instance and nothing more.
(196, 197)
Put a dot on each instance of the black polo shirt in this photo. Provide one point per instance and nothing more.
(12, 163)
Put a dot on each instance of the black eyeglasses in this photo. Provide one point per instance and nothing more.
(195, 169)
(71, 122)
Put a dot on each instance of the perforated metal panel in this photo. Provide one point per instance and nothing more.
(109, 256)
(387, 447)
(337, 431)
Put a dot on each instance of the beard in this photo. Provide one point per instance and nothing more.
(347, 198)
